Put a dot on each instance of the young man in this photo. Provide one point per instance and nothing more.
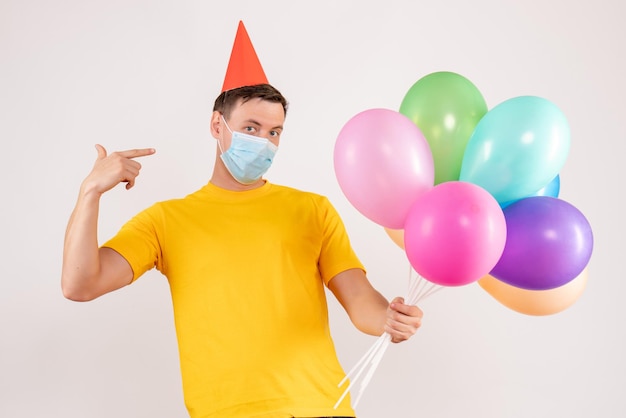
(247, 262)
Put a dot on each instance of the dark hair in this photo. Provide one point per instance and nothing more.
(229, 98)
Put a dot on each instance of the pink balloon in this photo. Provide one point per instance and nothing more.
(455, 233)
(383, 163)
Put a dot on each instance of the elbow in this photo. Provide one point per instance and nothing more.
(75, 293)
(76, 296)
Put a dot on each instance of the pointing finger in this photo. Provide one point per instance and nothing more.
(135, 153)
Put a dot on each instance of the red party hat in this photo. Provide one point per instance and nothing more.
(244, 67)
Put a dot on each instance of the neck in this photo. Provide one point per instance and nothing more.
(222, 179)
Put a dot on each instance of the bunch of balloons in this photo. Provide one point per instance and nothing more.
(470, 193)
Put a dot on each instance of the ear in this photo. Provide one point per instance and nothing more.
(216, 124)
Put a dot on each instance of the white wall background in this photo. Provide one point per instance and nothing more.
(138, 73)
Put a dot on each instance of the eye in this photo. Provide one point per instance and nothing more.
(275, 134)
(250, 129)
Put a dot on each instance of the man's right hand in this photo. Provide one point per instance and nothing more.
(110, 170)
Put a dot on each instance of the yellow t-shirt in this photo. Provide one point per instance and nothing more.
(247, 272)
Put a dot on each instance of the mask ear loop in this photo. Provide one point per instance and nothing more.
(219, 143)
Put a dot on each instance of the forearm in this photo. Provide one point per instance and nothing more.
(368, 313)
(81, 263)
(365, 306)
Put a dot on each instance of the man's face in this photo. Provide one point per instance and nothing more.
(257, 117)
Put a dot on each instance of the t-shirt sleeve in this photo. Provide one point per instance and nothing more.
(138, 242)
(337, 254)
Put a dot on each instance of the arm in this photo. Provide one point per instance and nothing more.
(369, 311)
(89, 271)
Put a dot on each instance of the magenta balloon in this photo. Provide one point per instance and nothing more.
(549, 243)
(454, 233)
(383, 163)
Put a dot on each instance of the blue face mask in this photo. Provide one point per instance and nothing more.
(248, 157)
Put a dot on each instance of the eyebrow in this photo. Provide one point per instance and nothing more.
(254, 122)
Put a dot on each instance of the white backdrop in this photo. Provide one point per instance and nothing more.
(139, 73)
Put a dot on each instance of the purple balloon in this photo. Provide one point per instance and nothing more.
(549, 242)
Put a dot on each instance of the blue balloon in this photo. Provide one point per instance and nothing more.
(552, 189)
(517, 148)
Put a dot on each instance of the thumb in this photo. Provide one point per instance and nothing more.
(102, 153)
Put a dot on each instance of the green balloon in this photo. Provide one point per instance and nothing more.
(446, 107)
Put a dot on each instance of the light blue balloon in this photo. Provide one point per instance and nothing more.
(517, 148)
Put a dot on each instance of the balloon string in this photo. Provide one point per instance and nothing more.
(418, 289)
(434, 289)
(364, 361)
(375, 362)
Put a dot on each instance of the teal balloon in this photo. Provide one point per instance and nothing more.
(517, 148)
